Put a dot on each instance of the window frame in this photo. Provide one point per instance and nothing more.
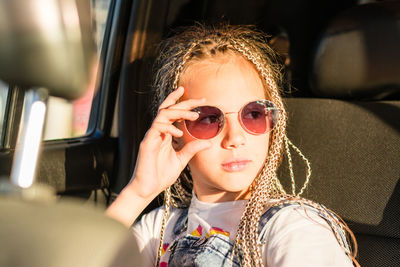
(12, 117)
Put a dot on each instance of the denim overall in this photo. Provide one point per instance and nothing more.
(216, 250)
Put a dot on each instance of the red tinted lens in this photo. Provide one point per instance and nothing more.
(209, 123)
(259, 117)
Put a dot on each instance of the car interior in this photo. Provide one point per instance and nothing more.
(341, 62)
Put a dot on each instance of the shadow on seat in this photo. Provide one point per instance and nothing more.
(352, 134)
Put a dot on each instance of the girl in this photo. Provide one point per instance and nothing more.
(214, 147)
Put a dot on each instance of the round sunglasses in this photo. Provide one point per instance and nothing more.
(256, 117)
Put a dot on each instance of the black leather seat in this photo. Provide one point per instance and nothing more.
(352, 133)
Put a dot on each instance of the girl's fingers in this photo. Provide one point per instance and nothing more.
(163, 128)
(191, 148)
(172, 115)
(172, 98)
(189, 104)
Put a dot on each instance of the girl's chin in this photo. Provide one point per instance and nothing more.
(236, 187)
(233, 183)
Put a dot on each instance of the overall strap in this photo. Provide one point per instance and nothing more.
(268, 215)
(182, 223)
(178, 229)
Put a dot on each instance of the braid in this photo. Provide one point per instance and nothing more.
(167, 201)
(181, 193)
(179, 69)
(267, 184)
(197, 43)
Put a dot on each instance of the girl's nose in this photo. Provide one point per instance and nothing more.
(233, 135)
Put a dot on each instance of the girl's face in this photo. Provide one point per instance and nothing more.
(225, 171)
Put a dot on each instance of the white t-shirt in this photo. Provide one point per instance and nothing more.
(294, 237)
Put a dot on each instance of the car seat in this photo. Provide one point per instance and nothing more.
(351, 134)
(35, 229)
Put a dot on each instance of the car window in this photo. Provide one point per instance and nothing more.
(67, 119)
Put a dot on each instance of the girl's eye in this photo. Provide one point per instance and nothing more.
(208, 119)
(253, 115)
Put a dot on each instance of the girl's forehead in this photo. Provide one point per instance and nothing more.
(219, 60)
(223, 81)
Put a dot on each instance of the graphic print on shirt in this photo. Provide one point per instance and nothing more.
(216, 230)
(164, 248)
(198, 231)
(212, 231)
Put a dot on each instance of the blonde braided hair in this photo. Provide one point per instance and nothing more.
(199, 42)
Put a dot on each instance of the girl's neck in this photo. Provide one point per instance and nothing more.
(221, 196)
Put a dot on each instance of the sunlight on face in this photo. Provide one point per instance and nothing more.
(225, 171)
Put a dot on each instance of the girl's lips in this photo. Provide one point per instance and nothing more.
(235, 165)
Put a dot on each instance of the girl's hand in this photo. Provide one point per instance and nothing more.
(158, 164)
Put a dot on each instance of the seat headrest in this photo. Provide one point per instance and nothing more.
(358, 56)
(50, 47)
